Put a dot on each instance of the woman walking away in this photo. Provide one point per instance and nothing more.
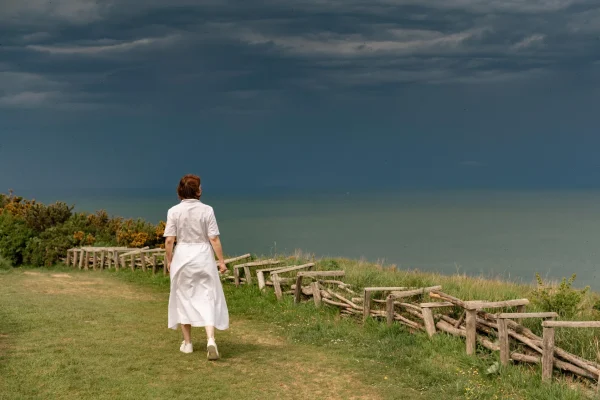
(197, 297)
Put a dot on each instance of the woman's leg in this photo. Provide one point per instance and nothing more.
(187, 333)
(210, 332)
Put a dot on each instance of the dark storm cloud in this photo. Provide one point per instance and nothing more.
(252, 56)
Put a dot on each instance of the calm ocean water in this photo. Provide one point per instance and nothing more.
(507, 234)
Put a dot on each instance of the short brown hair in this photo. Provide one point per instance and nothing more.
(189, 187)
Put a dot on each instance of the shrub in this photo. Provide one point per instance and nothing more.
(137, 233)
(563, 299)
(49, 247)
(4, 263)
(14, 235)
(40, 217)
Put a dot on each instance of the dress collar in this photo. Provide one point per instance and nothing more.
(190, 200)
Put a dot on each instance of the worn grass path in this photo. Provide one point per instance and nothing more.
(76, 335)
(68, 334)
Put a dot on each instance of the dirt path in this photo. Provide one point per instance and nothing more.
(89, 335)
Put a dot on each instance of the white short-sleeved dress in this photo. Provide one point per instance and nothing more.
(197, 296)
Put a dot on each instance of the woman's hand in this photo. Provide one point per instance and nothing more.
(222, 267)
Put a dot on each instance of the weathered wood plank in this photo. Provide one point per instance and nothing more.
(504, 343)
(438, 294)
(116, 259)
(471, 322)
(528, 315)
(415, 292)
(136, 251)
(260, 277)
(389, 309)
(238, 258)
(384, 289)
(571, 324)
(248, 275)
(479, 304)
(258, 263)
(343, 299)
(429, 322)
(446, 327)
(548, 354)
(366, 304)
(316, 293)
(436, 305)
(320, 273)
(143, 261)
(277, 286)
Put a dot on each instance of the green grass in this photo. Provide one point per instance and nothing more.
(69, 335)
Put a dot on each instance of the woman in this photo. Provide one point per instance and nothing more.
(196, 297)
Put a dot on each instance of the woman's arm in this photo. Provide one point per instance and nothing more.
(215, 241)
(169, 242)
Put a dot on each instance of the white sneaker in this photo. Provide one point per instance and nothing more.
(186, 348)
(211, 347)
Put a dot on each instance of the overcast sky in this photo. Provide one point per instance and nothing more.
(300, 94)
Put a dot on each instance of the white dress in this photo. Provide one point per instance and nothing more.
(197, 296)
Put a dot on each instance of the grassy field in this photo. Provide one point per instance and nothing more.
(68, 334)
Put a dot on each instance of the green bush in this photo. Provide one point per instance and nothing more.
(4, 263)
(563, 299)
(40, 217)
(14, 235)
(49, 246)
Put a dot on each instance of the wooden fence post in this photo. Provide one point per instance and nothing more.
(428, 320)
(316, 289)
(471, 321)
(260, 276)
(154, 264)
(389, 309)
(520, 309)
(81, 257)
(94, 259)
(116, 257)
(143, 261)
(87, 260)
(133, 262)
(504, 343)
(236, 275)
(298, 290)
(548, 354)
(68, 261)
(102, 256)
(75, 254)
(366, 304)
(247, 275)
(277, 286)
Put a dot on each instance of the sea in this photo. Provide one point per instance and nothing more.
(510, 235)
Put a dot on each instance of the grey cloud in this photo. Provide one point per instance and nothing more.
(34, 12)
(104, 47)
(113, 51)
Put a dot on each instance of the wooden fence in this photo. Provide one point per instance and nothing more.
(117, 258)
(494, 332)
